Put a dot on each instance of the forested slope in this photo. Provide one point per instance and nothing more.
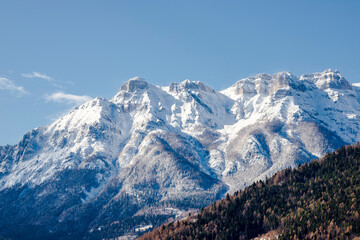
(318, 200)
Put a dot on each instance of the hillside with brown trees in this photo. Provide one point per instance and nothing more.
(318, 200)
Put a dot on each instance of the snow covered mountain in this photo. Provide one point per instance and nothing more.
(116, 167)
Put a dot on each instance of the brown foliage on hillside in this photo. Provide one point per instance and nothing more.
(318, 200)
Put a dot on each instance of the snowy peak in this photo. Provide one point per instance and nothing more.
(199, 106)
(133, 92)
(85, 114)
(134, 84)
(329, 79)
(283, 80)
(188, 85)
(264, 84)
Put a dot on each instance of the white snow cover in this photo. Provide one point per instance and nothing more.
(250, 130)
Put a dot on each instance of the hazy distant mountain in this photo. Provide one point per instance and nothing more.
(118, 167)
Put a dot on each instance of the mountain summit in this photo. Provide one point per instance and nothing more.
(116, 167)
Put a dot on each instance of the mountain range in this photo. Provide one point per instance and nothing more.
(151, 154)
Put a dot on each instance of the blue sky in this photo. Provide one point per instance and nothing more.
(57, 54)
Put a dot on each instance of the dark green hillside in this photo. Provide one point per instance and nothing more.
(319, 200)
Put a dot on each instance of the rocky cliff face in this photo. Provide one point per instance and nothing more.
(116, 167)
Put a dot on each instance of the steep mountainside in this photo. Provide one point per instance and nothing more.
(118, 167)
(319, 200)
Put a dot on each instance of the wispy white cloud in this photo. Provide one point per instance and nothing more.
(55, 82)
(38, 75)
(70, 99)
(7, 84)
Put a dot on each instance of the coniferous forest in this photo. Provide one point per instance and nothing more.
(318, 200)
